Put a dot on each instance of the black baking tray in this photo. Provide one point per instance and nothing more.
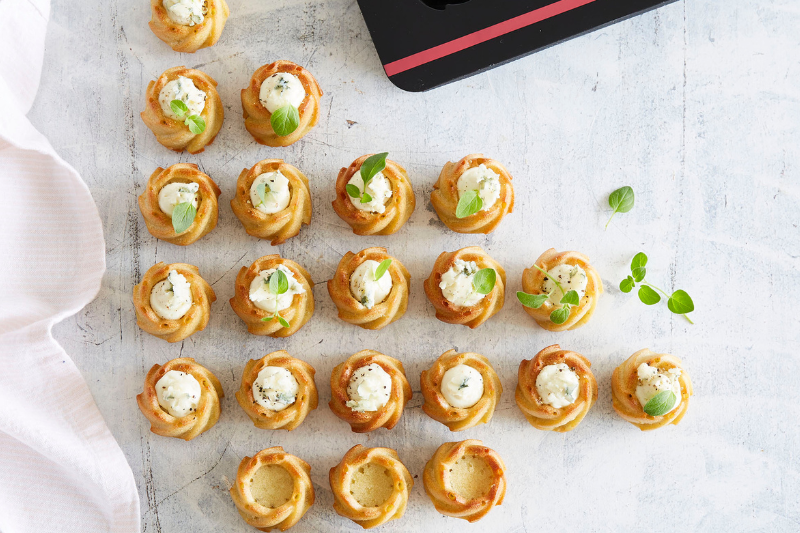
(423, 44)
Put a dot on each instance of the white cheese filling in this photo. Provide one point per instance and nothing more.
(277, 192)
(557, 385)
(173, 194)
(281, 89)
(364, 287)
(379, 188)
(261, 296)
(483, 180)
(178, 393)
(571, 278)
(186, 12)
(462, 386)
(182, 89)
(457, 286)
(275, 388)
(653, 380)
(369, 388)
(171, 298)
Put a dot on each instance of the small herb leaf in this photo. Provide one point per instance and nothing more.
(484, 280)
(366, 198)
(469, 203)
(179, 108)
(267, 318)
(621, 201)
(571, 298)
(285, 120)
(353, 191)
(196, 124)
(627, 284)
(648, 296)
(278, 283)
(680, 303)
(372, 165)
(382, 268)
(560, 315)
(639, 273)
(283, 321)
(534, 301)
(661, 403)
(262, 189)
(639, 261)
(183, 216)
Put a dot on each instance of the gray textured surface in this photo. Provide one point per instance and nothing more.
(695, 105)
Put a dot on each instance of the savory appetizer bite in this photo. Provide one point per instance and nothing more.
(370, 486)
(473, 195)
(369, 390)
(466, 287)
(651, 390)
(370, 288)
(556, 389)
(273, 296)
(560, 291)
(172, 301)
(188, 25)
(273, 489)
(183, 109)
(461, 390)
(281, 104)
(180, 399)
(465, 479)
(374, 196)
(272, 200)
(179, 204)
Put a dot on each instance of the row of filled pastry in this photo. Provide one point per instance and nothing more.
(274, 297)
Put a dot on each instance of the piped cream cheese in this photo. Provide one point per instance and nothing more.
(364, 287)
(653, 380)
(379, 188)
(557, 385)
(482, 179)
(275, 388)
(171, 298)
(261, 296)
(369, 388)
(178, 393)
(277, 192)
(456, 284)
(175, 193)
(281, 89)
(182, 89)
(571, 278)
(462, 386)
(186, 12)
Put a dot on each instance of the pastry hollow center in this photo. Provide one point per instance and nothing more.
(272, 486)
(371, 485)
(471, 477)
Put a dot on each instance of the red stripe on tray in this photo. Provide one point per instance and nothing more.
(481, 36)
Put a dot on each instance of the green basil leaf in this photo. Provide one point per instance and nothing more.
(285, 120)
(661, 403)
(183, 216)
(621, 200)
(627, 284)
(639, 261)
(484, 280)
(469, 203)
(534, 301)
(267, 318)
(560, 315)
(382, 268)
(283, 321)
(179, 108)
(278, 283)
(353, 191)
(196, 124)
(366, 198)
(680, 303)
(372, 165)
(648, 296)
(571, 298)
(262, 189)
(638, 273)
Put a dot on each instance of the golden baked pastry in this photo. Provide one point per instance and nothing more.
(370, 486)
(174, 133)
(473, 314)
(396, 209)
(276, 217)
(197, 404)
(270, 401)
(195, 35)
(627, 379)
(273, 489)
(391, 383)
(160, 224)
(533, 281)
(199, 308)
(556, 411)
(447, 377)
(271, 319)
(496, 187)
(258, 118)
(465, 479)
(360, 307)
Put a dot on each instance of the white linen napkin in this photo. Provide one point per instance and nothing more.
(60, 467)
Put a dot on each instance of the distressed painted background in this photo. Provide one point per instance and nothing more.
(696, 105)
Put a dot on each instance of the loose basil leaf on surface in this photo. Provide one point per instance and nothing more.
(648, 296)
